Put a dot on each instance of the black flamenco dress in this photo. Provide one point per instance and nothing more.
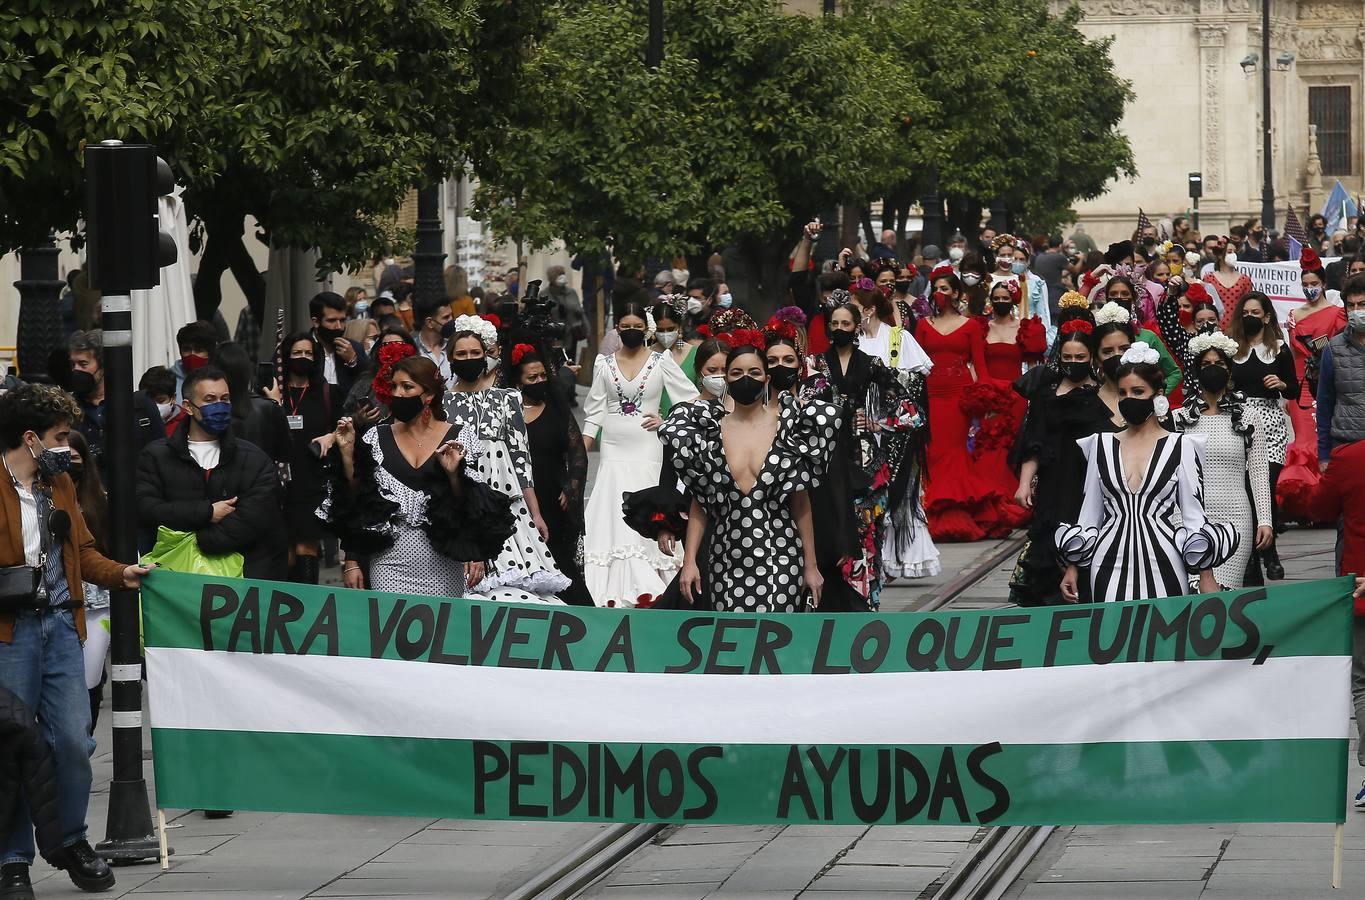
(559, 465)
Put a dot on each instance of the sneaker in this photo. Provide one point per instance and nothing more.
(1360, 797)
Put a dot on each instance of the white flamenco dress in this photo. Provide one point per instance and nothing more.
(619, 564)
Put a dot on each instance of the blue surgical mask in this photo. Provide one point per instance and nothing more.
(215, 418)
(362, 309)
(724, 301)
(1018, 268)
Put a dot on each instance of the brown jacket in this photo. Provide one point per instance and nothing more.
(80, 559)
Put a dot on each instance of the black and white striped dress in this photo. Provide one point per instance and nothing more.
(1143, 544)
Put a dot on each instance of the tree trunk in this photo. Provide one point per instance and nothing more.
(225, 250)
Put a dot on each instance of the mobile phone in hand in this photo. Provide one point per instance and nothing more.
(265, 376)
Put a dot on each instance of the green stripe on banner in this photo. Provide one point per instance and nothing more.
(1157, 782)
(189, 611)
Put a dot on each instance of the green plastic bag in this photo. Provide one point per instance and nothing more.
(179, 551)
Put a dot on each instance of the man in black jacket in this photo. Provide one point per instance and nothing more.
(26, 762)
(202, 479)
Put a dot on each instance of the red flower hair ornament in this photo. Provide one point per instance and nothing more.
(389, 356)
(1076, 325)
(520, 352)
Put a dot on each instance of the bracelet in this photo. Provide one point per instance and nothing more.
(355, 568)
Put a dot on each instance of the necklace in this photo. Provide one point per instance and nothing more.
(632, 406)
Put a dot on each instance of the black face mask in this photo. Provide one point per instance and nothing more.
(1110, 367)
(745, 390)
(300, 365)
(843, 338)
(328, 336)
(1252, 325)
(469, 369)
(1077, 371)
(782, 377)
(82, 383)
(902, 287)
(1214, 378)
(76, 470)
(405, 409)
(447, 329)
(632, 338)
(536, 392)
(1207, 328)
(1002, 309)
(1135, 411)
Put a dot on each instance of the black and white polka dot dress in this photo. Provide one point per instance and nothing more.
(755, 554)
(525, 570)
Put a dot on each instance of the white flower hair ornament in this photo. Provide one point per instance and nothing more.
(1112, 313)
(487, 334)
(1214, 340)
(1138, 352)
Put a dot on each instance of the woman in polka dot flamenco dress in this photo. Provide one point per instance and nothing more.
(524, 571)
(749, 473)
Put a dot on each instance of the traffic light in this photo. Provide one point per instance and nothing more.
(125, 246)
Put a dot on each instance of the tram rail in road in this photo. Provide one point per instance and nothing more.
(995, 859)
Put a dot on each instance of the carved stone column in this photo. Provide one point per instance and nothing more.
(1212, 39)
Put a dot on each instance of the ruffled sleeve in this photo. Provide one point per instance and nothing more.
(358, 513)
(1076, 541)
(1203, 544)
(473, 527)
(692, 432)
(805, 436)
(657, 508)
(1032, 338)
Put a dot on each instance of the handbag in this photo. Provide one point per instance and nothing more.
(18, 587)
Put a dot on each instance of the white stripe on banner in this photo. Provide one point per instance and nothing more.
(1158, 701)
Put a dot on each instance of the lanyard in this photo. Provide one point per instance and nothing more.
(294, 404)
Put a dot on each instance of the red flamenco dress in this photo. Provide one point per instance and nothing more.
(999, 410)
(960, 503)
(1301, 473)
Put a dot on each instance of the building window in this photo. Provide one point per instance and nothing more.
(1329, 108)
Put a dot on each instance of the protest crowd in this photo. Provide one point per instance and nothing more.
(1142, 413)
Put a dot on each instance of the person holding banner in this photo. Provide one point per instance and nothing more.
(750, 472)
(1136, 484)
(1263, 370)
(407, 501)
(1235, 454)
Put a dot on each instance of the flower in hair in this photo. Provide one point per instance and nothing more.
(389, 356)
(704, 332)
(1139, 353)
(1213, 340)
(486, 331)
(492, 319)
(1112, 313)
(864, 284)
(1196, 293)
(520, 352)
(1073, 298)
(1076, 325)
(1011, 287)
(839, 296)
(792, 314)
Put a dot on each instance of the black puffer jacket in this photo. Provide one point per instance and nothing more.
(26, 762)
(173, 491)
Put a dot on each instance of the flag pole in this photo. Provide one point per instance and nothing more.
(1336, 855)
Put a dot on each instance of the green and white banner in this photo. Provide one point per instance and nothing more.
(299, 698)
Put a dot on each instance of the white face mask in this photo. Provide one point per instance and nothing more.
(714, 384)
(167, 410)
(956, 253)
(1230, 257)
(562, 281)
(666, 339)
(491, 363)
(694, 305)
(971, 279)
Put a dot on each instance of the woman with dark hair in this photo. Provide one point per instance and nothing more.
(1235, 454)
(407, 500)
(1137, 484)
(311, 408)
(1113, 335)
(1063, 407)
(972, 272)
(493, 432)
(670, 316)
(1226, 282)
(367, 401)
(559, 465)
(1263, 369)
(629, 387)
(94, 505)
(872, 449)
(749, 472)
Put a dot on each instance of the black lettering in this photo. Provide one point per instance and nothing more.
(822, 665)
(960, 662)
(998, 642)
(794, 785)
(694, 654)
(1237, 614)
(565, 629)
(619, 645)
(710, 799)
(827, 774)
(875, 630)
(1209, 607)
(627, 781)
(411, 648)
(665, 763)
(1135, 639)
(484, 754)
(324, 626)
(514, 638)
(481, 639)
(284, 609)
(438, 642)
(565, 763)
(922, 660)
(947, 786)
(594, 780)
(1160, 629)
(1099, 653)
(873, 810)
(515, 808)
(772, 636)
(999, 792)
(247, 621)
(380, 635)
(720, 645)
(909, 807)
(1055, 634)
(209, 609)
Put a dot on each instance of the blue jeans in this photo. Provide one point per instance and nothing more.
(44, 667)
